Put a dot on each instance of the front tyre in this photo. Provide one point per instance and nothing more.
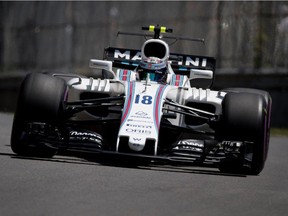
(246, 117)
(268, 107)
(41, 99)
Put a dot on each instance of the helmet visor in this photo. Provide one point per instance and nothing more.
(156, 76)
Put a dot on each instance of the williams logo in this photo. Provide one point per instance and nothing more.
(137, 139)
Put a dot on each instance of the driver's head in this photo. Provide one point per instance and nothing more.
(154, 67)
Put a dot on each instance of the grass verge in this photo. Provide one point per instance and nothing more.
(279, 132)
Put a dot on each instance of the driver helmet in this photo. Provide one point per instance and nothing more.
(154, 67)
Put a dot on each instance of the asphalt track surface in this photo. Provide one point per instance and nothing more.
(74, 186)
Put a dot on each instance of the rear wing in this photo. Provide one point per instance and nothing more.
(180, 63)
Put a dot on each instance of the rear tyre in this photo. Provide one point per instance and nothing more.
(41, 99)
(246, 117)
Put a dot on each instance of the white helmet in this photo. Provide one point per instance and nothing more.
(154, 60)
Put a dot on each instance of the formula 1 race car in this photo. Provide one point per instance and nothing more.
(149, 104)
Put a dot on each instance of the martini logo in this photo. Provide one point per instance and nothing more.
(185, 60)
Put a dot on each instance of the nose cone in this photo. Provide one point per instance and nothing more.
(136, 143)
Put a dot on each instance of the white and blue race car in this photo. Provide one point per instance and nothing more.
(148, 104)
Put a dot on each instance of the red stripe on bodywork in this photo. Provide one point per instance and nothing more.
(124, 75)
(177, 80)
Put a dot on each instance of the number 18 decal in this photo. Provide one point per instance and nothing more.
(145, 99)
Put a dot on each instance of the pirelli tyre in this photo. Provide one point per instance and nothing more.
(41, 99)
(246, 117)
(268, 107)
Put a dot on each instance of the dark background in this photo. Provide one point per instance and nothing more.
(248, 39)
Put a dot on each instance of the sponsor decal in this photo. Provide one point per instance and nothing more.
(232, 146)
(141, 113)
(185, 60)
(232, 143)
(138, 131)
(188, 148)
(190, 145)
(127, 55)
(139, 126)
(77, 133)
(140, 117)
(194, 143)
(137, 139)
(139, 121)
(84, 136)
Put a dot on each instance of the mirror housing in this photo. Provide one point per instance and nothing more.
(102, 65)
(201, 74)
